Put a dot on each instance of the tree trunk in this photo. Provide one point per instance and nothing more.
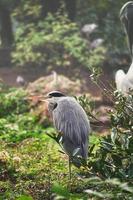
(71, 8)
(6, 32)
(53, 6)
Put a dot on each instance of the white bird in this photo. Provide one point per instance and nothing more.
(88, 29)
(96, 43)
(20, 80)
(124, 81)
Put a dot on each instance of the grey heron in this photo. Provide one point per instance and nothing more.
(71, 121)
(124, 81)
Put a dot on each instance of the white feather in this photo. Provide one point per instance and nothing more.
(124, 82)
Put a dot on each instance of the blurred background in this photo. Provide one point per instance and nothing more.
(44, 37)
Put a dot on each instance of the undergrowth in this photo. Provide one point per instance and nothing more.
(31, 167)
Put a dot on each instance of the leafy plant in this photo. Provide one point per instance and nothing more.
(13, 102)
(106, 15)
(55, 41)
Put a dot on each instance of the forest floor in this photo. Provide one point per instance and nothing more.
(30, 74)
(30, 161)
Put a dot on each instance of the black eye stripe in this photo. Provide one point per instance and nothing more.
(56, 94)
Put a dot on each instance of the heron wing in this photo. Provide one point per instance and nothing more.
(119, 78)
(71, 120)
(124, 82)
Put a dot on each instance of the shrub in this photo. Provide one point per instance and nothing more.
(112, 157)
(106, 15)
(55, 41)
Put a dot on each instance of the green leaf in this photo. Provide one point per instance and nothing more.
(61, 191)
(25, 197)
(97, 194)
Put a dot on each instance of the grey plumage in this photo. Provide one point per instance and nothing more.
(71, 121)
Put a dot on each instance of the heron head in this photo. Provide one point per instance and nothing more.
(51, 95)
(55, 94)
(51, 99)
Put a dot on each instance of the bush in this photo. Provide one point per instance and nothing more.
(106, 15)
(16, 121)
(13, 101)
(31, 164)
(55, 41)
(112, 157)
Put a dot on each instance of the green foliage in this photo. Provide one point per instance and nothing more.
(63, 193)
(14, 101)
(55, 41)
(110, 162)
(26, 155)
(106, 15)
(24, 197)
(32, 167)
(16, 121)
(39, 46)
(108, 189)
(87, 104)
(27, 11)
(113, 156)
(113, 159)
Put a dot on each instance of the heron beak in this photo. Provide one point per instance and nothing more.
(44, 99)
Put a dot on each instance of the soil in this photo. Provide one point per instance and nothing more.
(30, 74)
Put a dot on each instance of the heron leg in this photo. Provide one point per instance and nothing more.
(69, 164)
